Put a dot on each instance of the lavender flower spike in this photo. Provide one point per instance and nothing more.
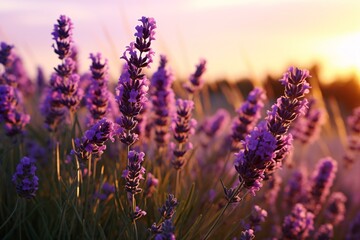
(247, 235)
(62, 35)
(196, 83)
(248, 115)
(168, 209)
(162, 100)
(258, 216)
(335, 210)
(133, 85)
(353, 148)
(256, 155)
(166, 231)
(93, 141)
(6, 56)
(325, 232)
(182, 126)
(98, 93)
(134, 172)
(322, 180)
(298, 224)
(25, 179)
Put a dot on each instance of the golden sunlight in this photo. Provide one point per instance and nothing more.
(342, 54)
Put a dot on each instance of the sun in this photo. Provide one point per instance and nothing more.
(342, 54)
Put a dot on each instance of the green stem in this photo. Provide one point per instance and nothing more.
(13, 212)
(237, 190)
(177, 183)
(133, 211)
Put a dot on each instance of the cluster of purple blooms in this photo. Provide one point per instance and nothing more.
(166, 230)
(183, 126)
(64, 93)
(92, 144)
(133, 84)
(248, 115)
(25, 179)
(353, 122)
(298, 224)
(196, 82)
(97, 98)
(163, 100)
(265, 148)
(13, 119)
(307, 127)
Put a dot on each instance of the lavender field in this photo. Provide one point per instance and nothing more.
(148, 156)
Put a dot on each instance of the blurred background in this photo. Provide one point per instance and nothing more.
(238, 38)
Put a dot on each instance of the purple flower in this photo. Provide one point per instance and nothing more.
(168, 209)
(6, 55)
(325, 232)
(285, 111)
(214, 125)
(166, 232)
(321, 182)
(353, 148)
(196, 82)
(182, 127)
(151, 184)
(14, 121)
(307, 127)
(252, 161)
(25, 179)
(133, 84)
(138, 213)
(258, 216)
(98, 94)
(335, 210)
(294, 190)
(93, 141)
(248, 116)
(298, 224)
(106, 190)
(247, 234)
(62, 35)
(354, 229)
(163, 100)
(134, 172)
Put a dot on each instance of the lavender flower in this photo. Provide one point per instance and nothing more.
(354, 229)
(93, 141)
(215, 124)
(258, 216)
(98, 94)
(307, 127)
(285, 111)
(325, 232)
(138, 213)
(64, 89)
(252, 161)
(247, 234)
(168, 209)
(248, 116)
(196, 82)
(62, 35)
(6, 54)
(14, 120)
(106, 190)
(353, 148)
(162, 101)
(133, 86)
(321, 183)
(134, 172)
(25, 179)
(182, 126)
(298, 224)
(166, 231)
(151, 184)
(335, 210)
(294, 190)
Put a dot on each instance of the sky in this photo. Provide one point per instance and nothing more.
(238, 38)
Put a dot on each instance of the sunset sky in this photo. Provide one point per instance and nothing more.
(243, 38)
